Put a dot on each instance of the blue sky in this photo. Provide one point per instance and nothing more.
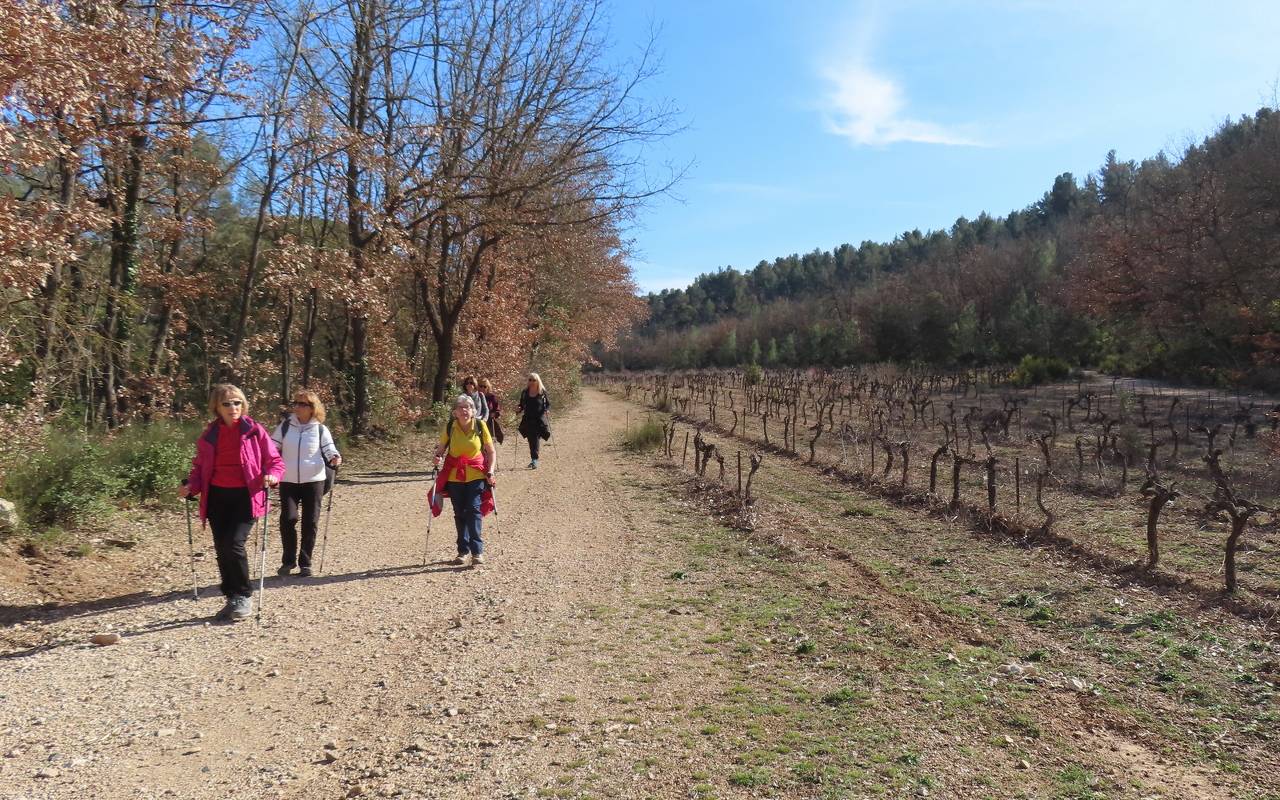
(815, 123)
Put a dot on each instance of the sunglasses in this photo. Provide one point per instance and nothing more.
(302, 403)
(232, 403)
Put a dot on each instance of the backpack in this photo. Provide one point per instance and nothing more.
(329, 472)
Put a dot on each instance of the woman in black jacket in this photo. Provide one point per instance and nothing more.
(534, 425)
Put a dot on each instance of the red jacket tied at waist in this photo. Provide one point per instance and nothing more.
(456, 466)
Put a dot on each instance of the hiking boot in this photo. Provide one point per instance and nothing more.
(533, 464)
(460, 561)
(284, 570)
(241, 608)
(477, 560)
(305, 572)
(225, 614)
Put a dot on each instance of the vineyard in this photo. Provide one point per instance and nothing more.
(1177, 487)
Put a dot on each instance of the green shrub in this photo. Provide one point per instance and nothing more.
(150, 460)
(68, 483)
(436, 416)
(755, 776)
(753, 375)
(842, 697)
(1034, 370)
(645, 436)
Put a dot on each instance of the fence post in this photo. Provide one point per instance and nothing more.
(1017, 485)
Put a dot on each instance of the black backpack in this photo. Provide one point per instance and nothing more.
(329, 472)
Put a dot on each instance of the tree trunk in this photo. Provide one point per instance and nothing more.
(115, 328)
(286, 360)
(309, 338)
(164, 320)
(933, 467)
(444, 357)
(360, 375)
(1238, 521)
(52, 288)
(1153, 518)
(358, 112)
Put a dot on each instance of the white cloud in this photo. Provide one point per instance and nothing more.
(867, 106)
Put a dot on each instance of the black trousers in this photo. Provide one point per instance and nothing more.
(529, 427)
(231, 518)
(295, 497)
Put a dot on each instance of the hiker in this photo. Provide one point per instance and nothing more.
(465, 477)
(472, 390)
(236, 463)
(534, 425)
(495, 411)
(309, 454)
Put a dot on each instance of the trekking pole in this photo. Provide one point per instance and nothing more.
(191, 547)
(431, 512)
(262, 561)
(328, 515)
(497, 524)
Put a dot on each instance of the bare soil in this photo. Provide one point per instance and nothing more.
(622, 642)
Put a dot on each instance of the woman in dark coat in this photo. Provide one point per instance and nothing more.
(495, 410)
(534, 425)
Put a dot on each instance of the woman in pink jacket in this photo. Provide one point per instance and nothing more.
(236, 463)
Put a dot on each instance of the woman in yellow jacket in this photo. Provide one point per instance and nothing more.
(467, 460)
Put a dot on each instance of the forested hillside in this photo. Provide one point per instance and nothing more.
(1169, 267)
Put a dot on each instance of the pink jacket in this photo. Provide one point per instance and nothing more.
(258, 457)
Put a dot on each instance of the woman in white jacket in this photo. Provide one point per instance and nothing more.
(306, 446)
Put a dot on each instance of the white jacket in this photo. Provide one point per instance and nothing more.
(305, 450)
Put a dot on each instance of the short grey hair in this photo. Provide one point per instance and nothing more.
(464, 400)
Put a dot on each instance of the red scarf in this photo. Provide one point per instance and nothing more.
(457, 466)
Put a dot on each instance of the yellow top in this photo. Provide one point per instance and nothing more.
(466, 445)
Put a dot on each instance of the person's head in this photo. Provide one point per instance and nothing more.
(535, 383)
(464, 410)
(227, 402)
(486, 386)
(307, 406)
(469, 384)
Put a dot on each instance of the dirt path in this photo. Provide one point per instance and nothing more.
(379, 658)
(619, 644)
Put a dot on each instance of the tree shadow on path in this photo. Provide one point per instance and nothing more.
(56, 612)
